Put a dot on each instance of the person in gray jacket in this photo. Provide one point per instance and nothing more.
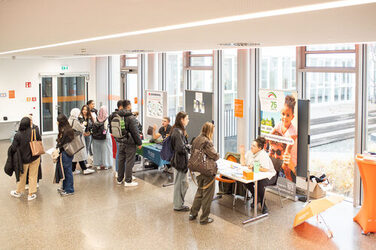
(205, 183)
(128, 145)
(179, 161)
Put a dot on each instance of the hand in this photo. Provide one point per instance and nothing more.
(242, 149)
(286, 158)
(139, 147)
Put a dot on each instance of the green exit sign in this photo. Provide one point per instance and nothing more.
(64, 67)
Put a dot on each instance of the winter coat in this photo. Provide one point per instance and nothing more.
(202, 142)
(21, 141)
(80, 128)
(132, 136)
(179, 144)
(14, 163)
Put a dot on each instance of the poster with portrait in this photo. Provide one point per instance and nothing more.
(279, 126)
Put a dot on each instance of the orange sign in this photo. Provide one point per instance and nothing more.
(135, 100)
(12, 94)
(28, 99)
(239, 108)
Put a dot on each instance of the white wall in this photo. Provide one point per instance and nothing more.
(14, 74)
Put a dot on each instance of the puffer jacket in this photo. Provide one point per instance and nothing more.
(179, 144)
(207, 147)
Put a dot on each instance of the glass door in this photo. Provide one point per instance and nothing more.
(59, 96)
(49, 107)
(131, 90)
(70, 94)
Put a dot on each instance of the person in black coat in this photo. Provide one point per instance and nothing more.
(179, 161)
(128, 145)
(31, 163)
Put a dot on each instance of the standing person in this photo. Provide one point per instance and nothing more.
(33, 126)
(128, 146)
(81, 156)
(116, 112)
(179, 161)
(93, 111)
(87, 120)
(102, 143)
(66, 135)
(258, 154)
(30, 163)
(206, 187)
(164, 130)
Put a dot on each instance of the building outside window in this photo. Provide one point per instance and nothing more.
(174, 84)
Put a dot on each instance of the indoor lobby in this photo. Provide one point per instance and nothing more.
(291, 81)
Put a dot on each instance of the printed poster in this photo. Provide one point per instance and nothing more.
(154, 105)
(279, 126)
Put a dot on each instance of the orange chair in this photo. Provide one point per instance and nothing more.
(366, 216)
(234, 157)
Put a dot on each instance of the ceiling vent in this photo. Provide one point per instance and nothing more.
(239, 44)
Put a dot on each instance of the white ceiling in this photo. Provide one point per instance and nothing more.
(26, 24)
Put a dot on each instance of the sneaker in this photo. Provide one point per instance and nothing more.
(60, 190)
(210, 220)
(133, 178)
(15, 194)
(31, 197)
(64, 193)
(88, 171)
(183, 209)
(130, 184)
(77, 172)
(192, 217)
(98, 167)
(116, 175)
(119, 182)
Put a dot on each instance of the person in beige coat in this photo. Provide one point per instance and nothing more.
(81, 156)
(206, 187)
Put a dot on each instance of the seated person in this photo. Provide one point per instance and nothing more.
(164, 131)
(258, 154)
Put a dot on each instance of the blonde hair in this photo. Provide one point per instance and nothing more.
(208, 130)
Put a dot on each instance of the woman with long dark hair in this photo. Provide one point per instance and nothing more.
(179, 144)
(21, 142)
(87, 120)
(66, 135)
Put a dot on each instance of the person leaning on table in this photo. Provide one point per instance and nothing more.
(258, 154)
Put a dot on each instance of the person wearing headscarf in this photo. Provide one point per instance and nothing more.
(21, 142)
(102, 149)
(81, 156)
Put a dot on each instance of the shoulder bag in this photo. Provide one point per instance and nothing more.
(36, 146)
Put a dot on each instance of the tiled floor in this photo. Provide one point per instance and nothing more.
(103, 215)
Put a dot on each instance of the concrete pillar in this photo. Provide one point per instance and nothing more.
(152, 72)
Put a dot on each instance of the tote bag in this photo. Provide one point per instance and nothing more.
(75, 145)
(36, 146)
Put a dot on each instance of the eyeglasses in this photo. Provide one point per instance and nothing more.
(278, 152)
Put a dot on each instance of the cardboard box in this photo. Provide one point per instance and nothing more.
(315, 189)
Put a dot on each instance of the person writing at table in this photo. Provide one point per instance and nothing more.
(258, 154)
(163, 131)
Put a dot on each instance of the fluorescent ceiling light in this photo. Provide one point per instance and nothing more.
(279, 12)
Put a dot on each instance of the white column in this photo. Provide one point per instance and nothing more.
(244, 94)
(152, 72)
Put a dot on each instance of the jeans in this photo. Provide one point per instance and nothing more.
(67, 166)
(88, 140)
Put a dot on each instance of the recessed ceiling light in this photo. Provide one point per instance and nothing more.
(228, 19)
(138, 51)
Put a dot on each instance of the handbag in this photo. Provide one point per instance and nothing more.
(36, 146)
(199, 162)
(75, 145)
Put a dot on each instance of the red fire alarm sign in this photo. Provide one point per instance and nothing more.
(34, 99)
(27, 84)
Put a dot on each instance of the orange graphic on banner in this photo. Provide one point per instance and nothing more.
(135, 100)
(12, 94)
(239, 108)
(114, 97)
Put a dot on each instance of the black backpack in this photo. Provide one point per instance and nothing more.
(98, 131)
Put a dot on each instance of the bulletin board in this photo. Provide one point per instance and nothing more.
(155, 107)
(199, 107)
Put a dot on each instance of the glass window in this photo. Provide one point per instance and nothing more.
(331, 47)
(332, 128)
(331, 60)
(202, 80)
(278, 68)
(70, 94)
(230, 85)
(371, 98)
(131, 62)
(174, 84)
(47, 104)
(202, 61)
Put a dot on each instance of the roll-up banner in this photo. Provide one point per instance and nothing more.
(279, 126)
